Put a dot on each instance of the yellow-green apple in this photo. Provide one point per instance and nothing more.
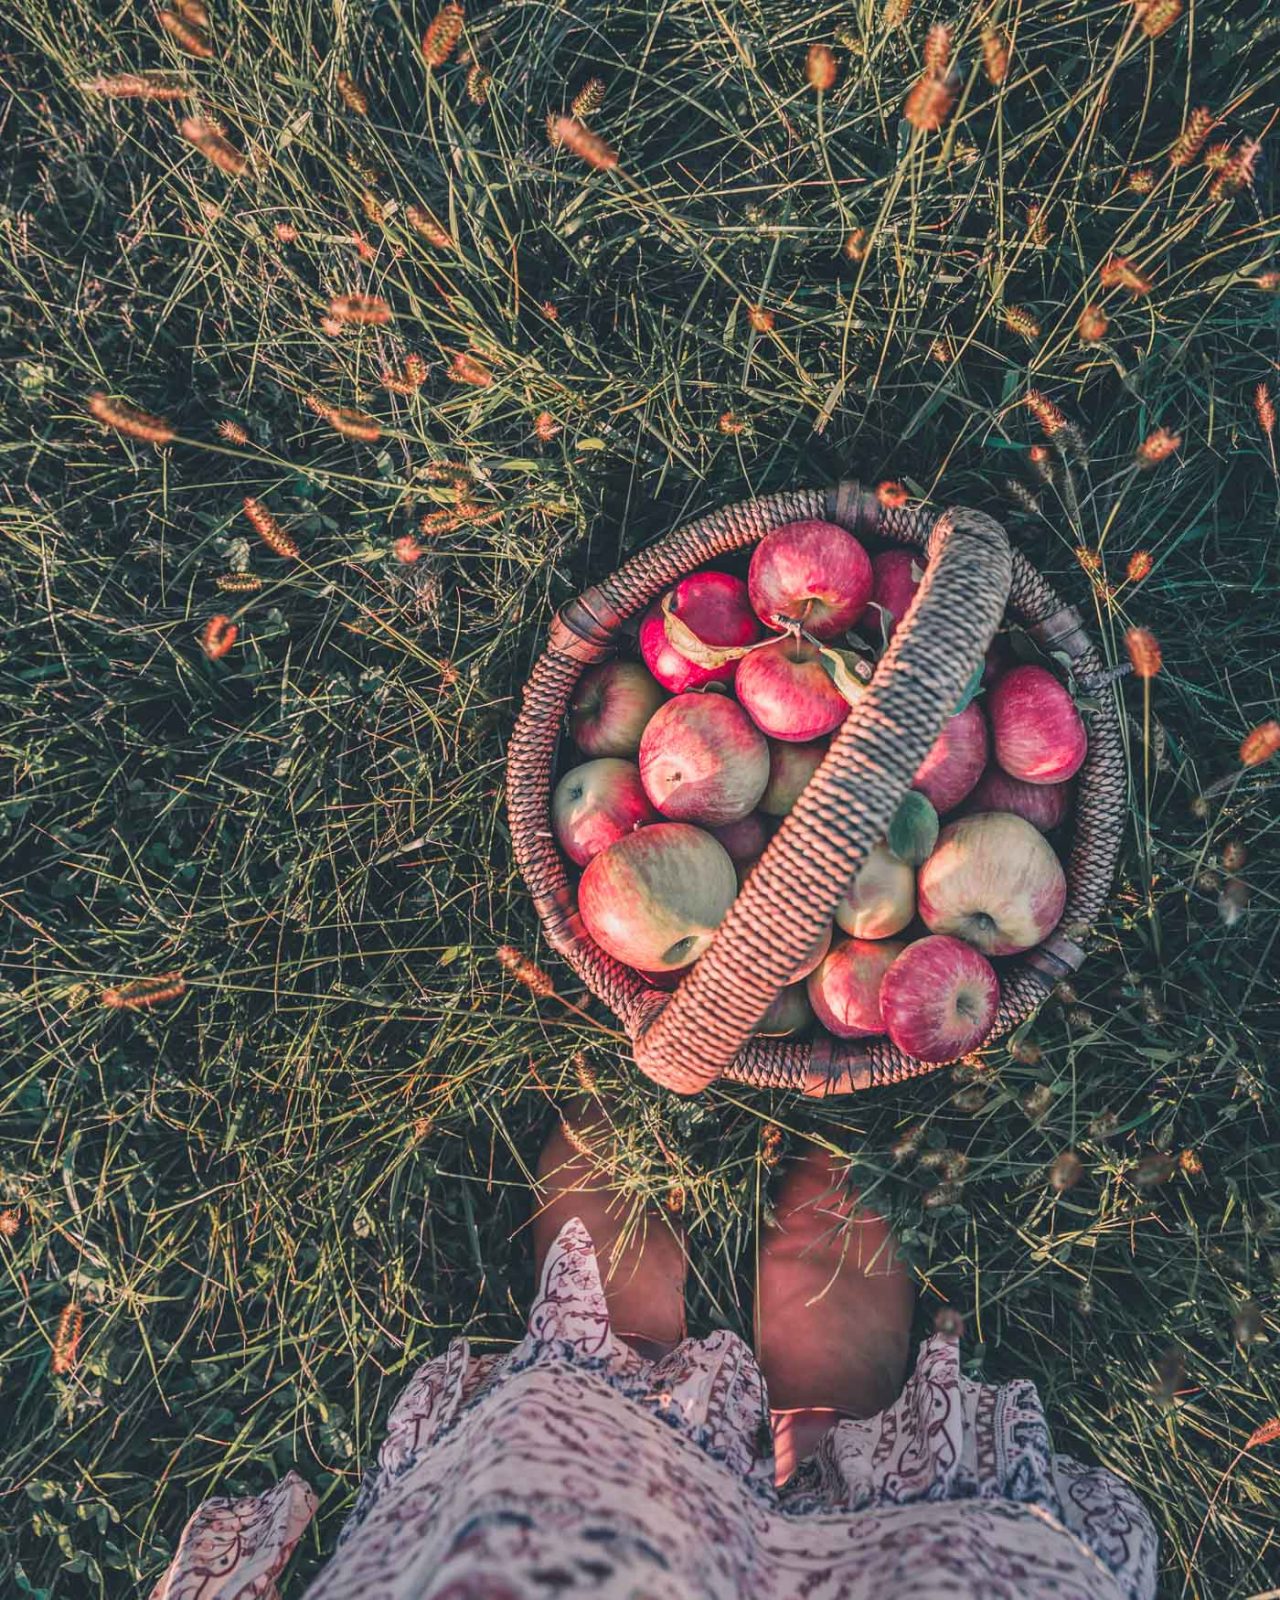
(790, 1012)
(1037, 730)
(703, 760)
(744, 840)
(1044, 805)
(596, 804)
(993, 880)
(811, 572)
(882, 900)
(939, 999)
(610, 707)
(893, 588)
(788, 693)
(790, 768)
(714, 606)
(655, 899)
(956, 761)
(845, 990)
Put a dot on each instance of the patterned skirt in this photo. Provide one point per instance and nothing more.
(571, 1467)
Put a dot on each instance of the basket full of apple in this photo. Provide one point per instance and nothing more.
(817, 792)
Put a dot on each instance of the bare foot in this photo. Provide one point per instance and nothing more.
(640, 1251)
(833, 1309)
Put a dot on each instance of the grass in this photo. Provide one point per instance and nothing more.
(271, 1194)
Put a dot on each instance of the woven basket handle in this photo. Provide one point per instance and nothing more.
(686, 1040)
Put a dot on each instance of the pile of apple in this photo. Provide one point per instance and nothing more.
(694, 757)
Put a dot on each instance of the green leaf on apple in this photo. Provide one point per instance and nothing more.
(972, 689)
(681, 637)
(847, 670)
(914, 829)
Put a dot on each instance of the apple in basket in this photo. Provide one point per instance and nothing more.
(882, 898)
(745, 840)
(844, 990)
(814, 573)
(788, 693)
(790, 1012)
(596, 804)
(893, 588)
(1036, 729)
(956, 761)
(992, 880)
(1044, 805)
(702, 760)
(939, 999)
(610, 707)
(712, 605)
(790, 768)
(655, 899)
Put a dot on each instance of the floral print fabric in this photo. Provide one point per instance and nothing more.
(572, 1467)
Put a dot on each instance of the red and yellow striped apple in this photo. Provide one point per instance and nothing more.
(714, 606)
(1036, 729)
(939, 999)
(703, 760)
(1044, 805)
(955, 763)
(788, 693)
(845, 990)
(610, 707)
(596, 804)
(882, 898)
(815, 573)
(994, 881)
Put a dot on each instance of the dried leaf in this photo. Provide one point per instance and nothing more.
(681, 637)
(847, 670)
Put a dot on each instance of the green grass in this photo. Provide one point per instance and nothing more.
(276, 1193)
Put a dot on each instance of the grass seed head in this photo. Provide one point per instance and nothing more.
(1092, 325)
(407, 550)
(218, 636)
(130, 420)
(892, 494)
(1158, 446)
(546, 427)
(937, 50)
(1158, 16)
(233, 432)
(66, 1341)
(479, 80)
(135, 86)
(929, 103)
(1265, 409)
(1021, 322)
(1187, 146)
(269, 530)
(1119, 272)
(465, 368)
(760, 318)
(895, 13)
(820, 67)
(238, 582)
(856, 246)
(525, 971)
(576, 136)
(1260, 743)
(588, 100)
(1051, 418)
(143, 993)
(422, 222)
(190, 40)
(213, 145)
(442, 35)
(361, 310)
(351, 94)
(1139, 566)
(1065, 1171)
(995, 54)
(1144, 652)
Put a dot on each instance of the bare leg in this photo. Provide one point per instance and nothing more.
(833, 1309)
(641, 1256)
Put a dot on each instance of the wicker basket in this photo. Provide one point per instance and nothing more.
(703, 1030)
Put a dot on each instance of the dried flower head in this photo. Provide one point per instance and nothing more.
(576, 136)
(213, 145)
(948, 1323)
(232, 432)
(1036, 1100)
(1233, 902)
(190, 40)
(895, 13)
(1020, 320)
(1158, 446)
(127, 419)
(66, 1341)
(442, 35)
(730, 425)
(545, 427)
(760, 318)
(1187, 146)
(674, 1199)
(1093, 324)
(144, 992)
(1120, 272)
(1153, 1169)
(423, 222)
(1037, 226)
(908, 1142)
(135, 86)
(268, 529)
(217, 637)
(1265, 409)
(1142, 180)
(856, 246)
(942, 350)
(1260, 743)
(1065, 1171)
(891, 494)
(946, 1194)
(362, 310)
(995, 54)
(465, 368)
(352, 95)
(770, 1144)
(820, 67)
(1235, 172)
(406, 549)
(525, 971)
(1139, 566)
(238, 582)
(1047, 414)
(1144, 652)
(1026, 1051)
(10, 1222)
(588, 100)
(479, 81)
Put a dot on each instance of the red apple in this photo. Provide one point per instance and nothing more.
(702, 760)
(790, 768)
(746, 839)
(814, 573)
(994, 880)
(893, 588)
(939, 999)
(790, 1012)
(1044, 805)
(655, 899)
(788, 693)
(882, 899)
(956, 761)
(845, 990)
(715, 606)
(1038, 734)
(610, 707)
(596, 804)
